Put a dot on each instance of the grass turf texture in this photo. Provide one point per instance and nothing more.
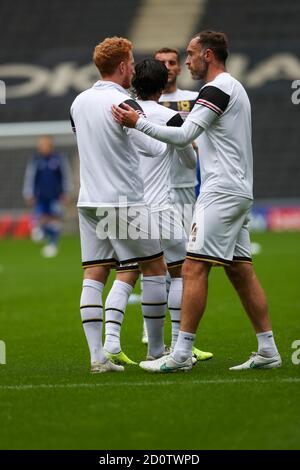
(49, 400)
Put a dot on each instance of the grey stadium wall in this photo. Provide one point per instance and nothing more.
(45, 60)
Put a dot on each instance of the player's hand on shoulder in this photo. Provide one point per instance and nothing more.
(126, 115)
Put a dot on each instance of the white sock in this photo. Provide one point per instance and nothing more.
(144, 321)
(115, 306)
(154, 304)
(184, 346)
(266, 344)
(92, 317)
(174, 305)
(145, 328)
(168, 282)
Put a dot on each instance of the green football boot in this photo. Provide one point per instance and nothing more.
(201, 355)
(120, 359)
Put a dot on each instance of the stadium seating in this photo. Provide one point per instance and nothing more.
(61, 33)
(261, 30)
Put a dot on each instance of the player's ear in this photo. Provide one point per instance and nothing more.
(208, 55)
(122, 67)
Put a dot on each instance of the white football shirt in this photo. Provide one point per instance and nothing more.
(225, 148)
(156, 171)
(110, 173)
(222, 117)
(181, 101)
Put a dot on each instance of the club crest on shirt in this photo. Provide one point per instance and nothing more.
(180, 106)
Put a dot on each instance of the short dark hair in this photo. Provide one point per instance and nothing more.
(168, 50)
(151, 76)
(216, 41)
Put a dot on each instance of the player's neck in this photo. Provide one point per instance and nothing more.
(155, 97)
(113, 78)
(170, 88)
(213, 72)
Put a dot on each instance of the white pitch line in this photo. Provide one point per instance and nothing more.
(147, 384)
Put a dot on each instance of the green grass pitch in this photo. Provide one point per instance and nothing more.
(49, 400)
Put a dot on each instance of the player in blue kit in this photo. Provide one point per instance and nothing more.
(47, 186)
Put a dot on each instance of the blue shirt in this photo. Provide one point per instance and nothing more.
(47, 177)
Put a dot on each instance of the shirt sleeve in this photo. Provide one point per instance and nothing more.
(178, 136)
(133, 105)
(147, 146)
(210, 105)
(72, 123)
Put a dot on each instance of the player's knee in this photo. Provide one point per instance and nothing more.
(129, 277)
(97, 273)
(155, 267)
(239, 272)
(175, 271)
(192, 269)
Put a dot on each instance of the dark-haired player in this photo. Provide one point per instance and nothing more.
(149, 81)
(183, 192)
(219, 232)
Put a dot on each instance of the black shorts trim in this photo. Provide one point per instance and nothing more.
(175, 264)
(208, 259)
(143, 258)
(242, 259)
(90, 264)
(127, 269)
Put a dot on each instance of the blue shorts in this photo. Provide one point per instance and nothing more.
(48, 207)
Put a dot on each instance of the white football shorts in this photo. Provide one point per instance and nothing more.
(220, 229)
(184, 199)
(113, 236)
(172, 236)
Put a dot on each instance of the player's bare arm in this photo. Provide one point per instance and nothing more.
(127, 117)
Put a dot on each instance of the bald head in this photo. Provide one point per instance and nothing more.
(45, 145)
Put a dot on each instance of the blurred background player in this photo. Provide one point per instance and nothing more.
(149, 81)
(47, 187)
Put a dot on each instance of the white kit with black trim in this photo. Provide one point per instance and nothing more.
(182, 102)
(223, 110)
